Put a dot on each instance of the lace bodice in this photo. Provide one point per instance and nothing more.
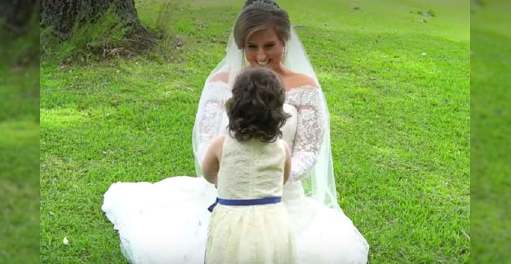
(303, 131)
(251, 169)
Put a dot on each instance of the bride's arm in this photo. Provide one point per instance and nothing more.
(209, 119)
(309, 131)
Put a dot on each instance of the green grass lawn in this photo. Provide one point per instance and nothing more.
(19, 154)
(19, 191)
(396, 77)
(490, 130)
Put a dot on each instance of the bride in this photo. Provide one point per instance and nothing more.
(166, 222)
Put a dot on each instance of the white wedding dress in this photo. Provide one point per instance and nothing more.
(167, 221)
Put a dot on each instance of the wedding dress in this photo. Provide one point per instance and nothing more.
(166, 222)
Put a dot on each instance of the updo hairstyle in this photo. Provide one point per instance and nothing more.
(255, 109)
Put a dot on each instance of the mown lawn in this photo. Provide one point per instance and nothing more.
(490, 130)
(19, 152)
(396, 77)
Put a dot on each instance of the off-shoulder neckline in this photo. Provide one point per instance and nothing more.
(303, 87)
(217, 81)
(291, 90)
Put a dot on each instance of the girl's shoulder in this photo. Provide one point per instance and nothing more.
(283, 145)
(217, 144)
(218, 139)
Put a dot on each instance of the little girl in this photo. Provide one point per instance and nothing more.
(250, 165)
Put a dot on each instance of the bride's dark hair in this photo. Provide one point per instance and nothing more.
(258, 15)
(255, 109)
(270, 2)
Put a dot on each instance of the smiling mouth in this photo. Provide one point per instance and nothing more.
(263, 63)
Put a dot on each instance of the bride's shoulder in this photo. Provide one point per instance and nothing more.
(220, 77)
(298, 80)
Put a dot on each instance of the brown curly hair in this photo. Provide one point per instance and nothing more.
(255, 109)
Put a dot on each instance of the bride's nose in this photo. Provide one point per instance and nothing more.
(261, 55)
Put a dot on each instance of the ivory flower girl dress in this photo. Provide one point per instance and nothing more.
(257, 231)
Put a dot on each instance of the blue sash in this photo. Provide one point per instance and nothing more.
(245, 202)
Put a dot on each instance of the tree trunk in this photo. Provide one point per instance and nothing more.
(63, 15)
(17, 14)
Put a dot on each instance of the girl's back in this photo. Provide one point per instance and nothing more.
(251, 169)
(255, 233)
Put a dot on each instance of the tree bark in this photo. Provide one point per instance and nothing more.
(63, 15)
(17, 14)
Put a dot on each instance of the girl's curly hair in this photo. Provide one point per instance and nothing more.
(255, 109)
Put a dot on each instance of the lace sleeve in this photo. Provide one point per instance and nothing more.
(309, 131)
(210, 116)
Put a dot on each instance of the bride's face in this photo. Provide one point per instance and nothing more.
(264, 48)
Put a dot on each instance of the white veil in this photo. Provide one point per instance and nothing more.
(319, 183)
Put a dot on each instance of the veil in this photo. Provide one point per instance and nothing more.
(319, 181)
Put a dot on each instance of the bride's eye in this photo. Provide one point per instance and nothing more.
(269, 46)
(251, 46)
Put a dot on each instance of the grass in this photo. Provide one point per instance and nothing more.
(490, 132)
(19, 191)
(19, 149)
(398, 93)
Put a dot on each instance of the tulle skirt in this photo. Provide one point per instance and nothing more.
(167, 222)
(250, 234)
